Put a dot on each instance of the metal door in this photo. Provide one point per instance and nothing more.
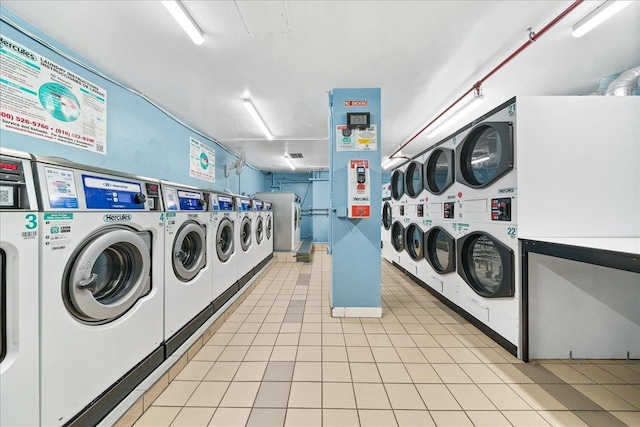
(245, 233)
(397, 236)
(486, 265)
(439, 171)
(189, 251)
(108, 274)
(440, 250)
(485, 154)
(224, 240)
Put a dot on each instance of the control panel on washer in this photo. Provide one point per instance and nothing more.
(258, 205)
(13, 192)
(244, 205)
(221, 202)
(177, 199)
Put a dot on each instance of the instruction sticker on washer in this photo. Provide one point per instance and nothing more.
(40, 98)
(57, 229)
(356, 139)
(61, 187)
(202, 161)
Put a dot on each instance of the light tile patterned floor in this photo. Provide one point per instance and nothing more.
(282, 360)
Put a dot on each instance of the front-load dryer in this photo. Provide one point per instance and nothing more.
(387, 221)
(268, 234)
(101, 287)
(440, 253)
(19, 260)
(397, 184)
(188, 271)
(223, 247)
(244, 240)
(257, 211)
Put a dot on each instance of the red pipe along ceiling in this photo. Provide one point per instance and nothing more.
(532, 38)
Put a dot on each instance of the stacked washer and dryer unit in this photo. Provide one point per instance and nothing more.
(387, 221)
(465, 224)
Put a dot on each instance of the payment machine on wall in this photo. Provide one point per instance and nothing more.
(359, 189)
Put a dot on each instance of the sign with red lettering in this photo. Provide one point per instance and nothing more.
(356, 103)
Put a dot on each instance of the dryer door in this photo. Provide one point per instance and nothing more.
(269, 227)
(259, 230)
(397, 236)
(486, 265)
(439, 171)
(387, 216)
(189, 252)
(110, 272)
(245, 233)
(397, 184)
(485, 154)
(224, 240)
(440, 250)
(413, 179)
(413, 241)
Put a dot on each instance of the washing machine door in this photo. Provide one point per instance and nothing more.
(269, 227)
(413, 179)
(224, 240)
(387, 215)
(245, 233)
(108, 274)
(397, 184)
(397, 236)
(189, 252)
(440, 250)
(486, 264)
(439, 171)
(259, 230)
(413, 241)
(485, 154)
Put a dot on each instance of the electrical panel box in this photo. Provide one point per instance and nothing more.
(359, 193)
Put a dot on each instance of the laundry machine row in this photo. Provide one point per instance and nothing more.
(459, 202)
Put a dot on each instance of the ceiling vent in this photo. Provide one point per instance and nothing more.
(295, 155)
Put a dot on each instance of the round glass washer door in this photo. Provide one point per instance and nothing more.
(189, 251)
(397, 184)
(487, 265)
(397, 236)
(259, 230)
(108, 274)
(387, 215)
(413, 241)
(269, 227)
(440, 250)
(224, 240)
(413, 179)
(485, 154)
(439, 171)
(245, 233)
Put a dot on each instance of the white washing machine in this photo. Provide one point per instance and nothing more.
(19, 260)
(101, 288)
(387, 220)
(244, 240)
(188, 270)
(223, 247)
(267, 247)
(258, 223)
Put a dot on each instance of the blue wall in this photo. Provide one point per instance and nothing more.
(141, 138)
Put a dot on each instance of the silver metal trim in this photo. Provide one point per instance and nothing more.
(223, 255)
(182, 273)
(245, 237)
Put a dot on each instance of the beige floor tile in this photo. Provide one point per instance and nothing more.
(284, 353)
(312, 328)
(234, 354)
(371, 396)
(628, 392)
(422, 373)
(307, 371)
(309, 354)
(365, 373)
(307, 339)
(208, 393)
(287, 339)
(404, 396)
(480, 374)
(195, 417)
(376, 418)
(488, 355)
(436, 329)
(488, 419)
(436, 355)
(378, 340)
(158, 416)
(385, 355)
(303, 418)
(567, 374)
(524, 418)
(336, 372)
(359, 354)
(462, 355)
(537, 398)
(259, 353)
(333, 340)
(605, 398)
(393, 373)
(448, 341)
(504, 397)
(230, 417)
(352, 328)
(509, 373)
(373, 328)
(194, 371)
(338, 396)
(451, 373)
(356, 340)
(242, 339)
(624, 372)
(332, 328)
(220, 338)
(334, 354)
(222, 371)
(270, 328)
(470, 397)
(394, 328)
(451, 419)
(265, 339)
(240, 395)
(402, 340)
(176, 394)
(250, 371)
(413, 418)
(248, 328)
(411, 355)
(305, 395)
(340, 418)
(209, 353)
(437, 397)
(597, 374)
(562, 418)
(414, 328)
(632, 419)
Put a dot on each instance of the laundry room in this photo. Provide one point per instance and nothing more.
(319, 213)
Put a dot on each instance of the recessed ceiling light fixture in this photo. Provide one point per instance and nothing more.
(185, 20)
(256, 117)
(600, 14)
(288, 159)
(446, 123)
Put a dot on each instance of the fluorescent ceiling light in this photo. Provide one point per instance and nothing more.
(446, 123)
(603, 12)
(480, 160)
(256, 117)
(390, 162)
(185, 20)
(288, 159)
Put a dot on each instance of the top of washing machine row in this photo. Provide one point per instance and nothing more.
(180, 197)
(222, 202)
(99, 189)
(17, 189)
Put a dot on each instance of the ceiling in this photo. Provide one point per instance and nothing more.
(288, 54)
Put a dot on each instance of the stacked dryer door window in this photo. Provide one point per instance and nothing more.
(487, 243)
(415, 224)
